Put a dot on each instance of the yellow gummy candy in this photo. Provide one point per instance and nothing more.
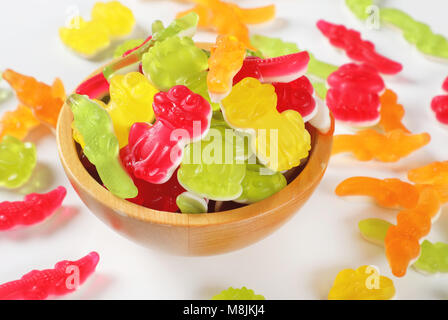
(364, 283)
(280, 140)
(118, 19)
(85, 37)
(131, 98)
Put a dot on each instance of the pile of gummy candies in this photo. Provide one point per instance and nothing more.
(256, 91)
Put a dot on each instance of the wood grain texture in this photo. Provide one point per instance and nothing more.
(192, 234)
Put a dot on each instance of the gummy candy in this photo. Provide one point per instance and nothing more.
(17, 123)
(43, 100)
(258, 185)
(433, 257)
(127, 46)
(357, 49)
(255, 15)
(402, 240)
(117, 18)
(353, 96)
(198, 84)
(391, 113)
(439, 106)
(359, 7)
(374, 230)
(17, 162)
(225, 61)
(39, 284)
(417, 33)
(156, 151)
(389, 193)
(210, 167)
(280, 69)
(238, 294)
(109, 20)
(131, 98)
(275, 47)
(101, 145)
(182, 27)
(33, 209)
(435, 174)
(280, 139)
(364, 283)
(190, 203)
(160, 197)
(95, 87)
(172, 61)
(445, 85)
(369, 144)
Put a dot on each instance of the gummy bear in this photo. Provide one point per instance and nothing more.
(43, 100)
(156, 151)
(226, 59)
(417, 33)
(389, 193)
(172, 61)
(190, 203)
(280, 139)
(101, 145)
(39, 284)
(368, 144)
(238, 294)
(17, 162)
(117, 18)
(33, 209)
(391, 113)
(364, 283)
(357, 49)
(17, 123)
(402, 241)
(131, 98)
(360, 8)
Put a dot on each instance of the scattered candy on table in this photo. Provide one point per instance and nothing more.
(61, 280)
(364, 283)
(439, 105)
(33, 209)
(18, 123)
(391, 113)
(238, 294)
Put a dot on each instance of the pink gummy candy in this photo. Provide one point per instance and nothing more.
(296, 95)
(156, 150)
(445, 85)
(280, 69)
(95, 87)
(357, 49)
(440, 107)
(33, 209)
(39, 284)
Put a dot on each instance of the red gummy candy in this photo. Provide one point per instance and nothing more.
(356, 77)
(296, 95)
(155, 151)
(445, 85)
(33, 209)
(279, 69)
(95, 87)
(440, 107)
(160, 197)
(39, 284)
(357, 49)
(137, 47)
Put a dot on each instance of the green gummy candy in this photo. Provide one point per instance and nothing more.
(198, 84)
(433, 257)
(101, 145)
(157, 27)
(374, 230)
(126, 46)
(182, 27)
(238, 294)
(206, 170)
(417, 33)
(260, 183)
(319, 68)
(320, 88)
(190, 203)
(359, 7)
(173, 61)
(17, 162)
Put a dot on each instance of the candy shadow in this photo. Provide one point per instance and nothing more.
(40, 181)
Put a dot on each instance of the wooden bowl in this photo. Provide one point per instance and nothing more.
(192, 234)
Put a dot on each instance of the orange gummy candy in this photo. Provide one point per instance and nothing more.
(255, 15)
(45, 101)
(391, 113)
(389, 193)
(402, 241)
(17, 123)
(369, 144)
(434, 174)
(225, 61)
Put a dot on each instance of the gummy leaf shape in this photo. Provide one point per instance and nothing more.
(17, 162)
(238, 294)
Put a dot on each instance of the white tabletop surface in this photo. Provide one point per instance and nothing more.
(300, 260)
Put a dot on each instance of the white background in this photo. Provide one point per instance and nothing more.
(299, 261)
